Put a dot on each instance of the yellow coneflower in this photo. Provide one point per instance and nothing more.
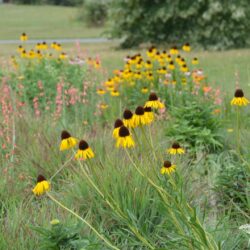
(67, 141)
(176, 149)
(100, 91)
(24, 54)
(178, 59)
(42, 186)
(174, 51)
(53, 45)
(162, 71)
(115, 93)
(32, 54)
(117, 125)
(20, 49)
(58, 47)
(39, 54)
(38, 46)
(164, 54)
(139, 117)
(171, 65)
(184, 81)
(182, 61)
(103, 106)
(44, 45)
(151, 51)
(84, 152)
(239, 99)
(153, 102)
(23, 37)
(167, 168)
(124, 139)
(184, 68)
(144, 90)
(186, 47)
(62, 56)
(139, 64)
(195, 61)
(169, 58)
(148, 65)
(128, 118)
(150, 115)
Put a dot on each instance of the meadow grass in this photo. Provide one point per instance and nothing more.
(121, 192)
(43, 22)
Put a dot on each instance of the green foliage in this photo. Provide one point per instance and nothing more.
(195, 124)
(232, 184)
(212, 24)
(94, 12)
(52, 2)
(60, 236)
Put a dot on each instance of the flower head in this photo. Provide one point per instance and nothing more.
(167, 168)
(149, 113)
(153, 102)
(84, 152)
(100, 91)
(144, 90)
(117, 125)
(195, 61)
(124, 139)
(174, 51)
(42, 186)
(128, 118)
(239, 99)
(23, 37)
(139, 117)
(186, 47)
(67, 141)
(115, 93)
(176, 149)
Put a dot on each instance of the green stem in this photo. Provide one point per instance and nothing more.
(61, 168)
(115, 208)
(238, 130)
(84, 221)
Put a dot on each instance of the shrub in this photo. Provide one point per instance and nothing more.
(195, 124)
(94, 12)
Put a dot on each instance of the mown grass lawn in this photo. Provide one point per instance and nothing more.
(41, 22)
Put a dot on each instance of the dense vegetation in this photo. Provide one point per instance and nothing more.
(141, 197)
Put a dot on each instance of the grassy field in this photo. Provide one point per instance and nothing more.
(41, 22)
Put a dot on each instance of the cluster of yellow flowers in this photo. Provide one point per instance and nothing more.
(121, 133)
(159, 65)
(67, 142)
(41, 50)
